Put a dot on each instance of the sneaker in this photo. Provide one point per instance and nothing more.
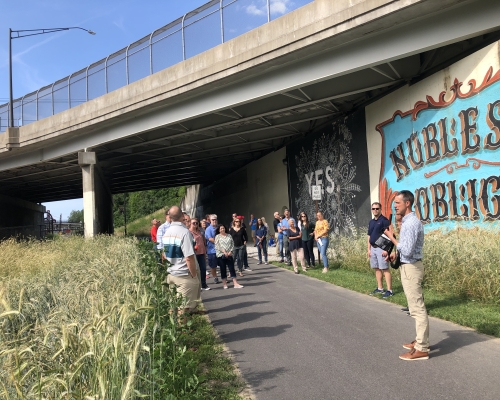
(225, 287)
(281, 260)
(247, 269)
(405, 309)
(266, 263)
(387, 294)
(260, 262)
(216, 280)
(414, 355)
(239, 287)
(377, 291)
(325, 270)
(205, 288)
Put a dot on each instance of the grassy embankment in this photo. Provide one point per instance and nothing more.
(141, 227)
(89, 319)
(462, 276)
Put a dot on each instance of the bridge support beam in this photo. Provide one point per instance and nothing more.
(97, 199)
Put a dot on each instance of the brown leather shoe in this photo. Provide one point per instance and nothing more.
(414, 355)
(411, 345)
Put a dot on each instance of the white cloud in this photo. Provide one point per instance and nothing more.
(120, 24)
(252, 9)
(279, 6)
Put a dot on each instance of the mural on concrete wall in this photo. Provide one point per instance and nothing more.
(335, 158)
(447, 152)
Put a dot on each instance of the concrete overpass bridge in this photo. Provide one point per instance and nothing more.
(208, 116)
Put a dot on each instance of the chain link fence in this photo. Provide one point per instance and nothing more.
(213, 23)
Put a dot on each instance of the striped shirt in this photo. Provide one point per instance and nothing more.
(177, 245)
(160, 232)
(223, 244)
(411, 241)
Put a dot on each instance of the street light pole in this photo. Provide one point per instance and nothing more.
(24, 33)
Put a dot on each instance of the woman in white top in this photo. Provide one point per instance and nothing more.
(224, 249)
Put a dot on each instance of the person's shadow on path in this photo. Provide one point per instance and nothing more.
(242, 318)
(235, 306)
(259, 332)
(456, 340)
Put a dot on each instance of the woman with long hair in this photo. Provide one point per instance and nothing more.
(295, 247)
(307, 230)
(200, 249)
(321, 237)
(261, 241)
(240, 238)
(224, 247)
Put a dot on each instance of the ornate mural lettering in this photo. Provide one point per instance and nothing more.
(457, 134)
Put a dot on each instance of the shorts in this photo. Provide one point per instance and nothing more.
(188, 287)
(212, 260)
(376, 259)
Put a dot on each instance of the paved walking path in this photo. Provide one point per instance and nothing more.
(296, 337)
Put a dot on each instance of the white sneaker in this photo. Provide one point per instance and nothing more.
(266, 263)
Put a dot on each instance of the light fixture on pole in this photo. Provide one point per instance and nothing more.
(18, 34)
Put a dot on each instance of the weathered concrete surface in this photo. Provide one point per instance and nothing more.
(312, 29)
(20, 217)
(295, 337)
(97, 199)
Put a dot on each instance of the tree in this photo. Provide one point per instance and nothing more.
(76, 216)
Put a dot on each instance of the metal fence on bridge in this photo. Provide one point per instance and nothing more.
(197, 31)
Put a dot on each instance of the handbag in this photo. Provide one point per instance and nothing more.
(397, 262)
(384, 243)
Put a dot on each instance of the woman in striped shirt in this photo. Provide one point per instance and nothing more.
(224, 248)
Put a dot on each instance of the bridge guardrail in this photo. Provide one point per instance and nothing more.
(197, 31)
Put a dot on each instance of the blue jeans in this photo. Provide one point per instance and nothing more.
(238, 256)
(280, 245)
(322, 250)
(263, 250)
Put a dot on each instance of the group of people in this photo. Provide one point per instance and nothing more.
(188, 244)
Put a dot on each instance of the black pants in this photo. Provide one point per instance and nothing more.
(226, 263)
(203, 269)
(308, 246)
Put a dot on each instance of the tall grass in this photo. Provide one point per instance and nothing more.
(462, 262)
(88, 319)
(141, 227)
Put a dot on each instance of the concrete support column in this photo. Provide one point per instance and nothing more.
(97, 199)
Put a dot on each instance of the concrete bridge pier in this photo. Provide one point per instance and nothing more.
(97, 198)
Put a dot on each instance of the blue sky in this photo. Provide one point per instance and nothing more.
(42, 60)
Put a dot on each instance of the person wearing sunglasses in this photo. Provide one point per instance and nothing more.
(307, 230)
(200, 249)
(378, 262)
(210, 234)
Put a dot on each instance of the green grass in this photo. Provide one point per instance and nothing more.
(141, 227)
(221, 380)
(483, 317)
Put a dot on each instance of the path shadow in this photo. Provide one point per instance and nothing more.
(236, 306)
(252, 333)
(242, 318)
(456, 340)
(257, 378)
(254, 278)
(232, 295)
(256, 284)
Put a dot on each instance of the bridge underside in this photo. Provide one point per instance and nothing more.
(207, 146)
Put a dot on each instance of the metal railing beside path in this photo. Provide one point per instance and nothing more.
(199, 30)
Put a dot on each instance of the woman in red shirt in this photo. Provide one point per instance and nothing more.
(200, 249)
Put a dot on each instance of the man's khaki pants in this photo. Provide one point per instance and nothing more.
(188, 287)
(411, 278)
